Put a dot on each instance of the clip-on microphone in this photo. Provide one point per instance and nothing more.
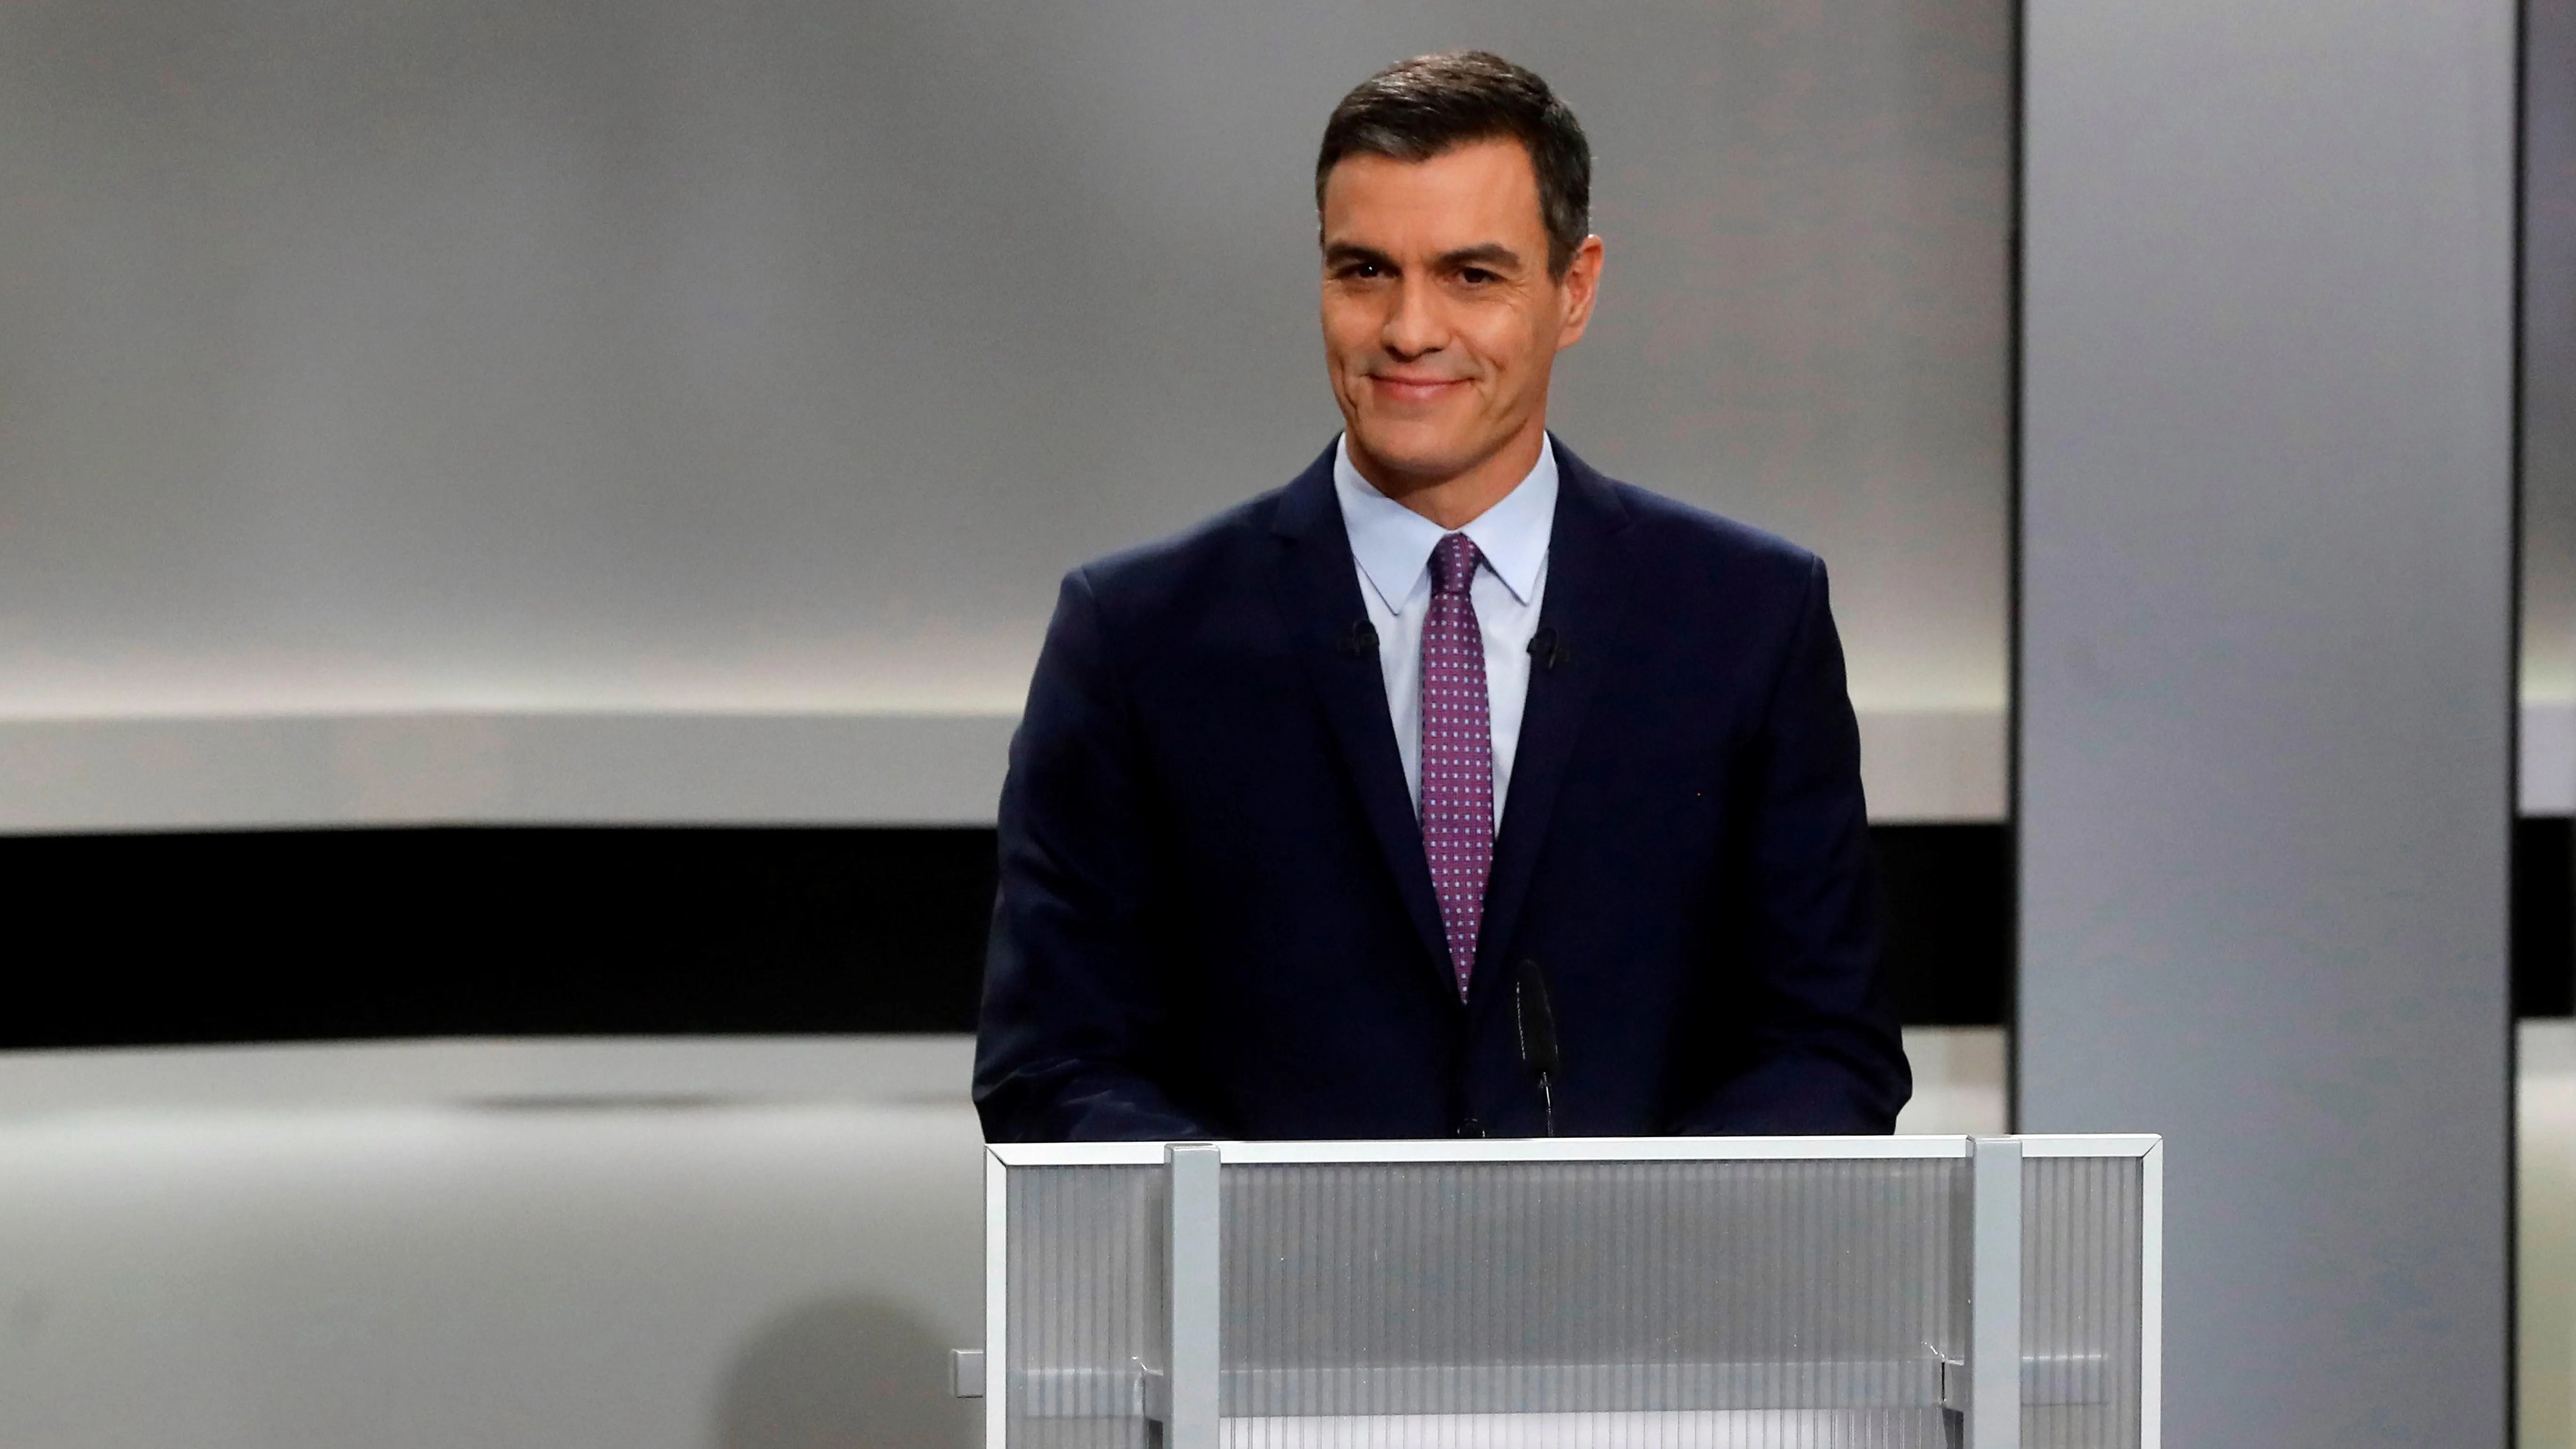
(1358, 641)
(1547, 651)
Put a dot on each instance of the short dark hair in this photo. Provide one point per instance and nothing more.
(1415, 109)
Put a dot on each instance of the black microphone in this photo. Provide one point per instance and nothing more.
(1535, 1017)
(1548, 650)
(1359, 641)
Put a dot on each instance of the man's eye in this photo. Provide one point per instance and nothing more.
(1364, 271)
(1476, 276)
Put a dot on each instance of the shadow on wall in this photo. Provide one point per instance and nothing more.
(860, 1372)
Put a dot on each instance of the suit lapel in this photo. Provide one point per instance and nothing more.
(1587, 595)
(1318, 589)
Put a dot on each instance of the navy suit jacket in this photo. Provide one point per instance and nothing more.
(1216, 920)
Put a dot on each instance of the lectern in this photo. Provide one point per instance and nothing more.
(1606, 1293)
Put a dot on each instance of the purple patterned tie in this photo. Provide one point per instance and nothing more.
(1457, 752)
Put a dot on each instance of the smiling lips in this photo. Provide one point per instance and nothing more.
(1415, 389)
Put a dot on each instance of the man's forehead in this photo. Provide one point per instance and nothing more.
(1463, 196)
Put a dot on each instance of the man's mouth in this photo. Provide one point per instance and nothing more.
(1415, 389)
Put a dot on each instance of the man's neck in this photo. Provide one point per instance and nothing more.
(1461, 498)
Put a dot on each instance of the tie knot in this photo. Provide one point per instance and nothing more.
(1453, 564)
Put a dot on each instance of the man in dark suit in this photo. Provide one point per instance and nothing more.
(1453, 789)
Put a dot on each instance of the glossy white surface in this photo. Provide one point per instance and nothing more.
(1958, 1080)
(637, 1277)
(646, 1244)
(770, 768)
(2545, 1270)
(680, 1244)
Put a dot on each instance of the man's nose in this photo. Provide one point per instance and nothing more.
(1413, 324)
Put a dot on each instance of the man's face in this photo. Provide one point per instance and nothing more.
(1441, 322)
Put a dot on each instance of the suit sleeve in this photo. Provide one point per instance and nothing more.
(1821, 1052)
(1072, 1044)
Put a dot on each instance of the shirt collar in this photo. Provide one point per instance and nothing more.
(1393, 543)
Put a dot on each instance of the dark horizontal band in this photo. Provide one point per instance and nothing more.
(336, 934)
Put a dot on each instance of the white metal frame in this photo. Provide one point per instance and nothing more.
(1995, 1259)
(997, 1298)
(1993, 1411)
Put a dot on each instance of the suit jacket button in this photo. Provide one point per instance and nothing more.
(1470, 1127)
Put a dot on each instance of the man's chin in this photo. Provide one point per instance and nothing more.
(1413, 458)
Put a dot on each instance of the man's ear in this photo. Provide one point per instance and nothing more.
(1582, 285)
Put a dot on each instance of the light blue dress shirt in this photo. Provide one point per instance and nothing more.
(1393, 545)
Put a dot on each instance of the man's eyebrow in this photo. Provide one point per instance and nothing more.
(1338, 253)
(1489, 254)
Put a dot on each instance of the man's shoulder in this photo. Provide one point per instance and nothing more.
(1215, 556)
(1187, 571)
(1669, 536)
(1683, 541)
(1209, 542)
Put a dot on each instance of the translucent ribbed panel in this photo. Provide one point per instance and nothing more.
(1660, 1305)
(1086, 1305)
(2082, 1248)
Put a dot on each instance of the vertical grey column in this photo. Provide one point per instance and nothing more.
(2266, 531)
(1194, 1289)
(1994, 1295)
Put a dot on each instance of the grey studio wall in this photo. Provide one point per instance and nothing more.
(475, 410)
(2548, 342)
(2266, 683)
(464, 410)
(461, 411)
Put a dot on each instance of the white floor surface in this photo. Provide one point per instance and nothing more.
(645, 1245)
